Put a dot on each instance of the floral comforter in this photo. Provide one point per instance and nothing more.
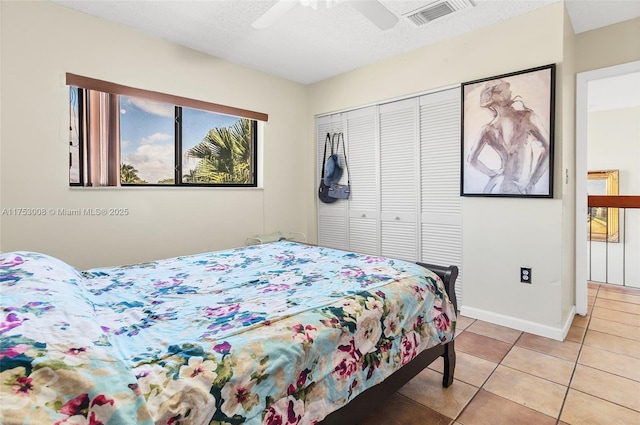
(281, 333)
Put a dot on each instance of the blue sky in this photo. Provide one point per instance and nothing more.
(147, 135)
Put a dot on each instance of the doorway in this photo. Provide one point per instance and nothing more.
(584, 81)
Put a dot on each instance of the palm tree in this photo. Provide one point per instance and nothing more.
(128, 174)
(224, 154)
(191, 177)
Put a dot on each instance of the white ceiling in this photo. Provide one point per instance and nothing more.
(308, 45)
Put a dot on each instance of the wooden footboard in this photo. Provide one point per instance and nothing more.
(361, 406)
(448, 276)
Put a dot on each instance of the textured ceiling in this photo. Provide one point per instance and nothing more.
(308, 45)
(587, 15)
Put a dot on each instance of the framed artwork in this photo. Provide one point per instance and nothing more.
(507, 135)
(602, 222)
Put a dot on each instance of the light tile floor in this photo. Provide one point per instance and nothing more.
(504, 376)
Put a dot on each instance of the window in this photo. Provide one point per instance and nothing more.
(120, 136)
(217, 149)
(147, 141)
(74, 139)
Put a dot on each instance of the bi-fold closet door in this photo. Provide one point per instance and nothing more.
(404, 164)
(380, 217)
(332, 222)
(440, 201)
(363, 156)
(352, 224)
(399, 179)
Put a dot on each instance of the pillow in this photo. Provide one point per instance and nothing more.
(18, 265)
(31, 278)
(53, 347)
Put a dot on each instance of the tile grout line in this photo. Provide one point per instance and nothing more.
(614, 312)
(479, 388)
(454, 374)
(530, 374)
(607, 401)
(598, 295)
(411, 400)
(488, 377)
(575, 365)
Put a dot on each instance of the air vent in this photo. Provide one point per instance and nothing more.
(437, 10)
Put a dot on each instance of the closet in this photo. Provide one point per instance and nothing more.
(404, 164)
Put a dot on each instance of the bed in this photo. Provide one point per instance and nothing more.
(281, 333)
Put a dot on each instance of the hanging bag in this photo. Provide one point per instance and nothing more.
(323, 190)
(336, 190)
(333, 172)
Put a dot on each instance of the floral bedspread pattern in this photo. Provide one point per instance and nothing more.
(281, 333)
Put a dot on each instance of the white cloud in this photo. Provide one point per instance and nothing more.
(124, 144)
(153, 162)
(155, 137)
(156, 108)
(189, 163)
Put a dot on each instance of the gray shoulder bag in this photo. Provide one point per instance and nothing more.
(341, 191)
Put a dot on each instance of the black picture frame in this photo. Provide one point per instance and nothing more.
(508, 135)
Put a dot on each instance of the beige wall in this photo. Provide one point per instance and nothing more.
(567, 173)
(47, 40)
(1, 96)
(608, 46)
(499, 235)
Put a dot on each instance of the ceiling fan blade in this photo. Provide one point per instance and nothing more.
(376, 13)
(273, 14)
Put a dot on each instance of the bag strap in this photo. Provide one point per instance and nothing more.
(344, 152)
(336, 145)
(324, 155)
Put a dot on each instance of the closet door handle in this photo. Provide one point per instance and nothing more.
(363, 216)
(397, 218)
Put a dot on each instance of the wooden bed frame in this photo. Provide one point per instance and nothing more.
(361, 406)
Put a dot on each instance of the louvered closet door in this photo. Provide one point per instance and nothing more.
(441, 218)
(399, 180)
(360, 133)
(332, 218)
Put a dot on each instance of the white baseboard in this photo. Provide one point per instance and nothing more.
(558, 334)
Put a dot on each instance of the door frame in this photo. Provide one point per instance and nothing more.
(582, 81)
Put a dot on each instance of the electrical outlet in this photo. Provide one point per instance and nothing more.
(525, 274)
